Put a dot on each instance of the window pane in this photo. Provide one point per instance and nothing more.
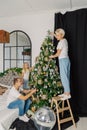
(12, 40)
(26, 57)
(19, 53)
(23, 39)
(7, 64)
(20, 63)
(13, 52)
(7, 53)
(13, 63)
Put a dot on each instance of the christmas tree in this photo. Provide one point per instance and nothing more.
(45, 76)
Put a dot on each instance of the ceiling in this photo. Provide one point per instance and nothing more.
(18, 7)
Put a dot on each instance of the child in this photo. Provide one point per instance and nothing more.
(25, 74)
(64, 62)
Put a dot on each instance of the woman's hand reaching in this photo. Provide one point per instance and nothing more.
(51, 56)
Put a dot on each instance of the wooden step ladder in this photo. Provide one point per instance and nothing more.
(61, 106)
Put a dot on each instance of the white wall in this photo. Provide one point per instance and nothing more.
(35, 25)
(1, 57)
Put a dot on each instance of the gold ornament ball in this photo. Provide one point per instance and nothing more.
(40, 81)
(33, 108)
(46, 58)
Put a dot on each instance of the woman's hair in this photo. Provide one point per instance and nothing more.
(60, 31)
(25, 64)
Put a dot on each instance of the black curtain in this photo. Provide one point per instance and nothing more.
(75, 25)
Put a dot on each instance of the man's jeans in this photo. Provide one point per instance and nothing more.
(21, 104)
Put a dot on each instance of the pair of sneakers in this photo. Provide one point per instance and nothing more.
(64, 96)
(25, 117)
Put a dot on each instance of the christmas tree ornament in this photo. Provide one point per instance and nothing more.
(40, 81)
(44, 97)
(33, 108)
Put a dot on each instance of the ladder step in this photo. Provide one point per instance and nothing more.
(66, 119)
(63, 109)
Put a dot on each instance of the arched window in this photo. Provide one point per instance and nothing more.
(18, 51)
